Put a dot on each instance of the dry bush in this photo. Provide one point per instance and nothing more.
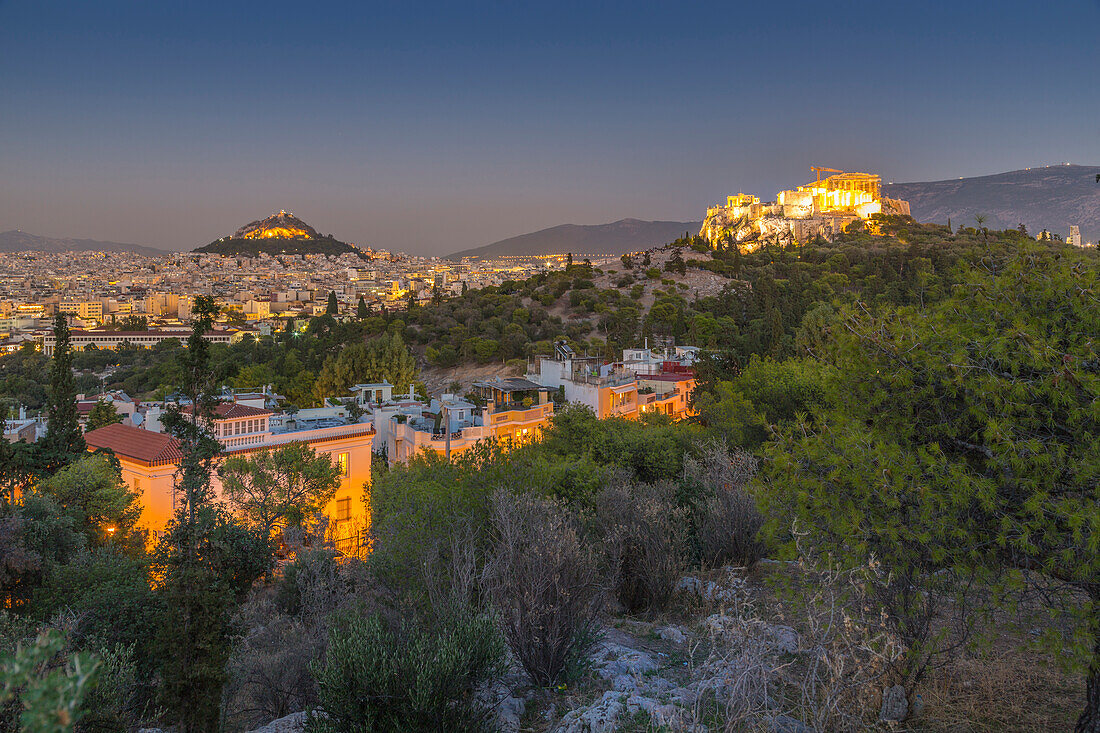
(269, 672)
(727, 520)
(850, 650)
(314, 585)
(645, 538)
(742, 671)
(544, 579)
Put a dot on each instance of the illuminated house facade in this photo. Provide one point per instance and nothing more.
(610, 390)
(149, 458)
(510, 411)
(643, 382)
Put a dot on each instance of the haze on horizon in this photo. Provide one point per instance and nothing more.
(429, 128)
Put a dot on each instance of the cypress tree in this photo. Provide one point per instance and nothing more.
(63, 442)
(332, 308)
(206, 560)
(361, 310)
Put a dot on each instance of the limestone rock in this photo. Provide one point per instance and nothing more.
(787, 724)
(611, 660)
(671, 633)
(709, 590)
(293, 723)
(895, 706)
(784, 638)
(600, 717)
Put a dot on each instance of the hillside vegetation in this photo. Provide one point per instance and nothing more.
(320, 245)
(885, 516)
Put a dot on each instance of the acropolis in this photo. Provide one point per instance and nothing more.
(822, 207)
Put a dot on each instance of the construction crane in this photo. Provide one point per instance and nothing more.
(818, 169)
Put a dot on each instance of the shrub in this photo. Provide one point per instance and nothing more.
(111, 599)
(727, 520)
(643, 533)
(119, 699)
(544, 580)
(269, 672)
(312, 585)
(42, 687)
(381, 677)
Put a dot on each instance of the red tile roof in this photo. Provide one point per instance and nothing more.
(130, 442)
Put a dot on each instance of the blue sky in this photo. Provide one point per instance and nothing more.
(434, 127)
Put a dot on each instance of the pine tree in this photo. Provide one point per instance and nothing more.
(332, 308)
(103, 413)
(361, 310)
(63, 441)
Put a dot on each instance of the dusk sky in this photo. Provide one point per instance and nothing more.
(430, 128)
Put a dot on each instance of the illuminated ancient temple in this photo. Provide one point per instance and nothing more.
(820, 208)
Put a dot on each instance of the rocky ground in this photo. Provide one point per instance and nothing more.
(731, 656)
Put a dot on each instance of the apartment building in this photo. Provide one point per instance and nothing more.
(85, 310)
(609, 389)
(509, 411)
(150, 458)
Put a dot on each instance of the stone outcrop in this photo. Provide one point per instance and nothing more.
(821, 208)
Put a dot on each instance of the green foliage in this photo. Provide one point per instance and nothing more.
(111, 596)
(49, 689)
(36, 537)
(379, 676)
(307, 565)
(64, 440)
(650, 451)
(319, 245)
(275, 489)
(967, 440)
(206, 562)
(101, 504)
(381, 358)
(21, 377)
(103, 413)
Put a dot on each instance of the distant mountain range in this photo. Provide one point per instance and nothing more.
(18, 241)
(1052, 198)
(620, 237)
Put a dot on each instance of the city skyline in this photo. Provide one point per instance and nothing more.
(438, 129)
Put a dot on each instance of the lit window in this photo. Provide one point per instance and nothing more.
(342, 460)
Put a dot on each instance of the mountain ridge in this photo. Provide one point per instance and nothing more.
(1045, 197)
(16, 240)
(614, 238)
